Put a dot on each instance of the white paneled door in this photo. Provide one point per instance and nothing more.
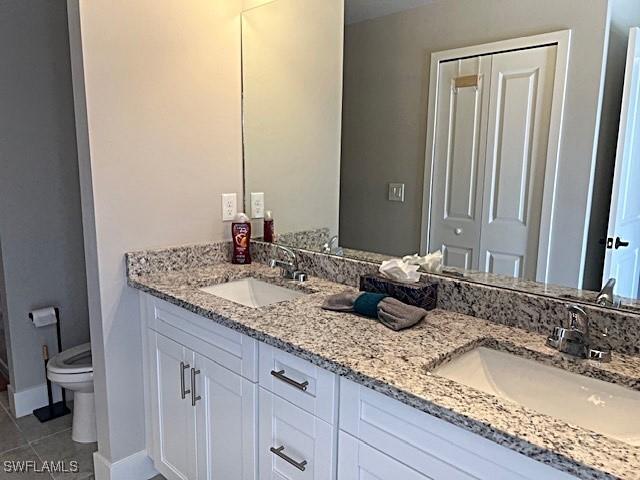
(622, 260)
(517, 139)
(460, 145)
(490, 153)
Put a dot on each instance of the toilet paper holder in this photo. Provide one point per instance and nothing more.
(53, 409)
(41, 317)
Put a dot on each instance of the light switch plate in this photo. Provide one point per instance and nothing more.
(257, 204)
(229, 206)
(396, 192)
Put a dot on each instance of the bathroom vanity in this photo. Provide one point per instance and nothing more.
(287, 390)
(380, 133)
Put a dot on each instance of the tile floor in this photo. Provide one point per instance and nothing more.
(28, 439)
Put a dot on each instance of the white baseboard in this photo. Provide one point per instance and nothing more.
(24, 402)
(138, 466)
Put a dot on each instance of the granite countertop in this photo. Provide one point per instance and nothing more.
(399, 364)
(529, 286)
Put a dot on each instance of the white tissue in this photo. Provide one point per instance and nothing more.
(414, 259)
(433, 262)
(429, 263)
(400, 271)
(44, 316)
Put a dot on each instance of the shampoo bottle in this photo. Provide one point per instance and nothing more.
(241, 238)
(268, 227)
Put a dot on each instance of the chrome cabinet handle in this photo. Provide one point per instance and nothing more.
(183, 392)
(281, 376)
(280, 453)
(194, 397)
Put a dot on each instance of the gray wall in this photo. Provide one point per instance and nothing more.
(40, 219)
(4, 359)
(384, 113)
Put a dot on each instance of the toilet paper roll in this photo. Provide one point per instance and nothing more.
(43, 317)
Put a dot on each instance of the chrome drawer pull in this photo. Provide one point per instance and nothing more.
(280, 453)
(281, 376)
(183, 392)
(194, 397)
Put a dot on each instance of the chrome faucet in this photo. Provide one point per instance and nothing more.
(606, 297)
(576, 340)
(289, 268)
(329, 247)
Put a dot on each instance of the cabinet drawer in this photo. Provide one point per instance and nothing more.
(229, 348)
(293, 444)
(429, 445)
(309, 387)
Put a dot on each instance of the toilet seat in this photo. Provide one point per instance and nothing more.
(76, 360)
(72, 370)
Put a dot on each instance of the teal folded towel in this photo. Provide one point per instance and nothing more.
(392, 313)
(367, 304)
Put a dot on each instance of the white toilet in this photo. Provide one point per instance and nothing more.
(72, 369)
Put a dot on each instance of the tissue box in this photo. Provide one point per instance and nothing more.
(419, 294)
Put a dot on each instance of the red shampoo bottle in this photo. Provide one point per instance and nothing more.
(268, 227)
(241, 238)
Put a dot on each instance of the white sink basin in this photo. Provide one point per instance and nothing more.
(598, 406)
(252, 292)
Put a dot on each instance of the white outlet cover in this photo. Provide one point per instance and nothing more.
(396, 192)
(229, 206)
(257, 204)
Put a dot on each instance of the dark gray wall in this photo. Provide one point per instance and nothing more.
(4, 359)
(40, 218)
(385, 109)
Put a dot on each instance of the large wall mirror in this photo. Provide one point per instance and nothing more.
(505, 134)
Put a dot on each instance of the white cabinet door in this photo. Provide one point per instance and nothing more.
(425, 444)
(358, 461)
(226, 422)
(293, 444)
(174, 443)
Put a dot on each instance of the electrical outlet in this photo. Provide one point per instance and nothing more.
(396, 192)
(257, 204)
(229, 206)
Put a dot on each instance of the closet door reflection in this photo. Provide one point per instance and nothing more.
(490, 154)
(519, 114)
(622, 260)
(460, 143)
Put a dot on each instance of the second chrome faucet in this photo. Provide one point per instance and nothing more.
(606, 297)
(289, 267)
(576, 339)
